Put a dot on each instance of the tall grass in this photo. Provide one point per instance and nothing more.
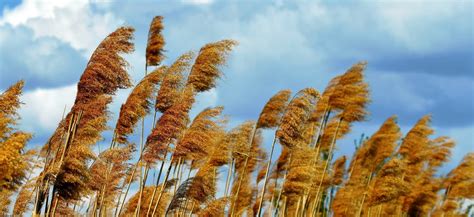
(177, 168)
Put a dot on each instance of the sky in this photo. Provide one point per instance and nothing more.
(420, 55)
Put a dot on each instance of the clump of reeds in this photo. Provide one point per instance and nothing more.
(388, 174)
(13, 160)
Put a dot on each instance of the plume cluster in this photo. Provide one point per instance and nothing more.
(389, 174)
(13, 159)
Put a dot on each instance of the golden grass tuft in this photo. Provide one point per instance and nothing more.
(173, 82)
(169, 127)
(206, 70)
(297, 113)
(137, 105)
(198, 137)
(273, 111)
(156, 42)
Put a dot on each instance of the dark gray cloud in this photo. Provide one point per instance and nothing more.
(450, 100)
(447, 63)
(42, 62)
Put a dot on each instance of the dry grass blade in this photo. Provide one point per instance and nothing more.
(107, 172)
(414, 147)
(380, 146)
(24, 199)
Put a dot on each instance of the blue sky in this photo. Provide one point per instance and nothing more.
(420, 55)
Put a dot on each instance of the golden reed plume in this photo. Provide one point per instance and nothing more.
(156, 42)
(298, 112)
(198, 137)
(137, 105)
(206, 67)
(169, 126)
(273, 110)
(173, 82)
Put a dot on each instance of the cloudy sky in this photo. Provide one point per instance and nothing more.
(420, 54)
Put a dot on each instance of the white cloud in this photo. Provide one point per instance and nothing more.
(42, 61)
(199, 2)
(35, 9)
(72, 21)
(424, 26)
(43, 108)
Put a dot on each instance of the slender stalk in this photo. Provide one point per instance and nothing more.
(142, 185)
(379, 212)
(359, 212)
(142, 138)
(298, 207)
(36, 201)
(331, 200)
(178, 172)
(328, 160)
(186, 200)
(266, 177)
(229, 173)
(314, 141)
(126, 192)
(303, 204)
(55, 200)
(240, 184)
(48, 206)
(163, 186)
(252, 137)
(285, 204)
(102, 195)
(192, 209)
(281, 188)
(155, 188)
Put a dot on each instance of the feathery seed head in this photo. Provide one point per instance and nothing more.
(297, 114)
(272, 112)
(206, 70)
(173, 82)
(156, 42)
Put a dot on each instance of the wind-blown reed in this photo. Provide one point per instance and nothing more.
(388, 175)
(156, 42)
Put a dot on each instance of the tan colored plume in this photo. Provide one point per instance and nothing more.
(156, 42)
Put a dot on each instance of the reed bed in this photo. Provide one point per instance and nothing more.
(200, 167)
